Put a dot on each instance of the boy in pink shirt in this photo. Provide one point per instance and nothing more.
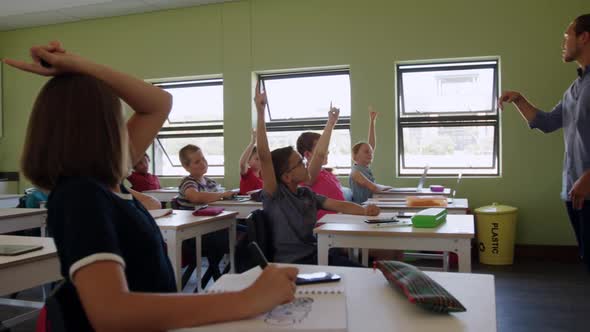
(314, 149)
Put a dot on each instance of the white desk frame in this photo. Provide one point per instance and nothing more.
(243, 208)
(372, 305)
(348, 231)
(16, 219)
(424, 192)
(165, 195)
(182, 225)
(26, 271)
(458, 206)
(9, 201)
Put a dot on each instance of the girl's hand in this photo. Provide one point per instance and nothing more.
(228, 194)
(384, 188)
(372, 210)
(274, 286)
(372, 113)
(52, 54)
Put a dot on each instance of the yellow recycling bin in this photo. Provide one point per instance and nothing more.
(496, 230)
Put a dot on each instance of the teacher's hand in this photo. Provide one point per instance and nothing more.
(580, 190)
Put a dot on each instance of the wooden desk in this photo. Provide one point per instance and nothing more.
(377, 307)
(26, 271)
(164, 195)
(244, 208)
(457, 206)
(182, 225)
(15, 219)
(9, 201)
(349, 231)
(426, 191)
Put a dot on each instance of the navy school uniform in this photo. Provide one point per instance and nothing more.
(90, 223)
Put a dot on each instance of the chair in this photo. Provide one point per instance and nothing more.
(259, 231)
(62, 303)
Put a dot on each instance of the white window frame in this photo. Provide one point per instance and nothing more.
(447, 119)
(305, 124)
(194, 129)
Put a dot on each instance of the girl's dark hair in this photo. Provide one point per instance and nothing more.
(306, 141)
(582, 24)
(76, 128)
(280, 161)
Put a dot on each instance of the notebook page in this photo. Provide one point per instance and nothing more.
(318, 307)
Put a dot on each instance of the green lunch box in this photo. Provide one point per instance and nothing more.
(428, 218)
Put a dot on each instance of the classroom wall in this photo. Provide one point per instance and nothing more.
(234, 39)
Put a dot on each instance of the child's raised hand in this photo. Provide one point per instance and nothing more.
(372, 113)
(372, 210)
(333, 114)
(260, 98)
(253, 138)
(274, 286)
(54, 58)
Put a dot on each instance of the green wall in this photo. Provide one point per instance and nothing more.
(237, 38)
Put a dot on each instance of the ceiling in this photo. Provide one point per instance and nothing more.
(16, 14)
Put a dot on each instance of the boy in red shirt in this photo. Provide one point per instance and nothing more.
(140, 179)
(250, 168)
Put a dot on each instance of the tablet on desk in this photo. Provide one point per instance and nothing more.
(17, 249)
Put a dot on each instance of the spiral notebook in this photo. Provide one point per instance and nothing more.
(319, 307)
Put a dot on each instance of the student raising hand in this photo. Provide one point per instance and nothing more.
(260, 98)
(333, 115)
(49, 60)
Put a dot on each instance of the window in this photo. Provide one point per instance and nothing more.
(447, 118)
(299, 102)
(196, 118)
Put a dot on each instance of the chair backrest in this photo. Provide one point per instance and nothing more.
(64, 310)
(174, 204)
(260, 231)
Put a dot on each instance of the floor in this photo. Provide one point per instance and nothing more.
(531, 295)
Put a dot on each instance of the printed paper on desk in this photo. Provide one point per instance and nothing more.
(382, 216)
(315, 308)
(159, 213)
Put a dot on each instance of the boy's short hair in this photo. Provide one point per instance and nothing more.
(184, 154)
(306, 141)
(76, 128)
(280, 161)
(357, 147)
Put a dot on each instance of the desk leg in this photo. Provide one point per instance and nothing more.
(44, 226)
(446, 261)
(365, 256)
(232, 246)
(199, 251)
(174, 254)
(323, 247)
(464, 253)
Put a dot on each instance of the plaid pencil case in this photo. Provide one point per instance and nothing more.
(418, 287)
